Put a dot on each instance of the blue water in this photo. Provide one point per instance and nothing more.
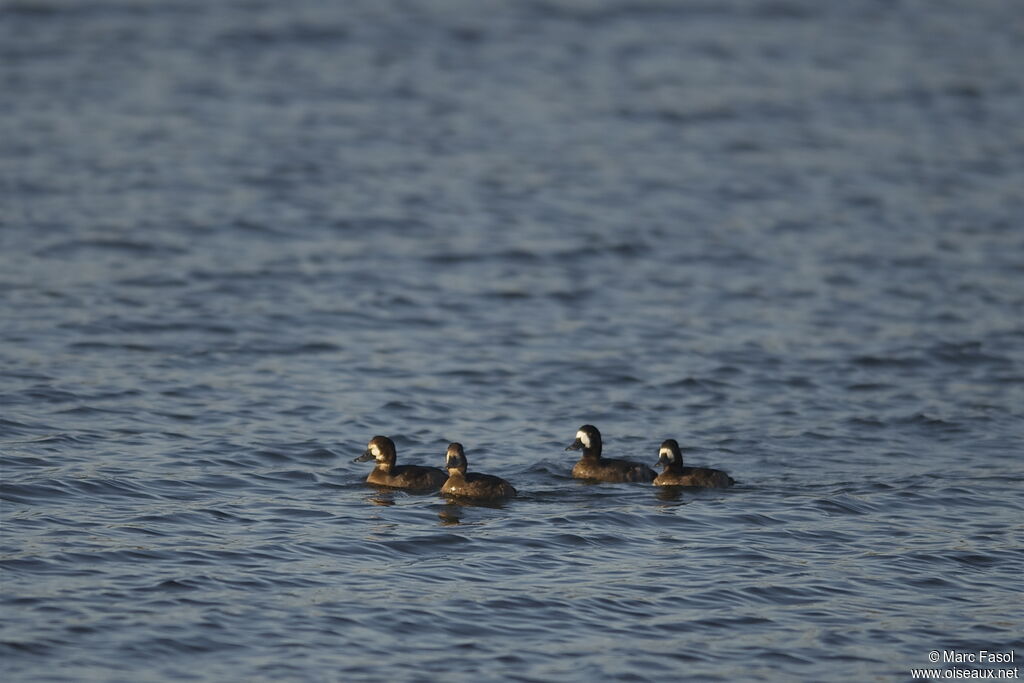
(239, 239)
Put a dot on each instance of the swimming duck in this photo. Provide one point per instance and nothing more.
(592, 466)
(471, 484)
(675, 474)
(387, 473)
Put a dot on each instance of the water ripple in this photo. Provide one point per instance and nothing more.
(241, 239)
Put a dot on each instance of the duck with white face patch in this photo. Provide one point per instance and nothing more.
(671, 457)
(596, 468)
(387, 473)
(471, 484)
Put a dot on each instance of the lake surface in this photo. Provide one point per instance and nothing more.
(239, 239)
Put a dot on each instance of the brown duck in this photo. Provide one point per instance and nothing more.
(675, 474)
(592, 466)
(471, 484)
(387, 473)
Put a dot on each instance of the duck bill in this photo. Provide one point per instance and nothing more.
(662, 461)
(574, 446)
(364, 457)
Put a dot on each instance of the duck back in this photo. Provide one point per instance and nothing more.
(414, 477)
(612, 470)
(476, 485)
(702, 477)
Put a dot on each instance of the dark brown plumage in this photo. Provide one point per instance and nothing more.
(675, 474)
(592, 466)
(387, 473)
(471, 484)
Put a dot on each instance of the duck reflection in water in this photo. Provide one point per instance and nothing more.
(670, 494)
(450, 514)
(454, 509)
(382, 496)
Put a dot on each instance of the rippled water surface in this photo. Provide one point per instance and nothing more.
(238, 239)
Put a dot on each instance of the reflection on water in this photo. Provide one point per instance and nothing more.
(493, 504)
(670, 494)
(450, 514)
(455, 507)
(382, 496)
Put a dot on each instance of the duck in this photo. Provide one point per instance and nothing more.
(387, 473)
(471, 484)
(674, 474)
(592, 466)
